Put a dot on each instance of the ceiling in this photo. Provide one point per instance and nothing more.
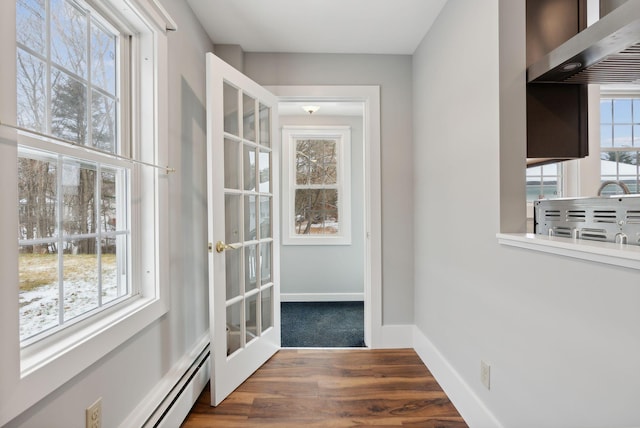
(318, 26)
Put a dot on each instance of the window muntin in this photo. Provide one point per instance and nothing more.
(317, 176)
(74, 207)
(620, 142)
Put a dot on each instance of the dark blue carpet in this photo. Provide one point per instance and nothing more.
(322, 324)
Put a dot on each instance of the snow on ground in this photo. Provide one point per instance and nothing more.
(39, 308)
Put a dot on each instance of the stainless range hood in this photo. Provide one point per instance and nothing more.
(606, 52)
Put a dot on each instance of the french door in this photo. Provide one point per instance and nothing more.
(242, 178)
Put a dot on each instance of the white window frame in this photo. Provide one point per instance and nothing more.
(342, 136)
(613, 92)
(30, 374)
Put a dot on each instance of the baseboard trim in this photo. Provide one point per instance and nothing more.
(321, 297)
(469, 405)
(176, 391)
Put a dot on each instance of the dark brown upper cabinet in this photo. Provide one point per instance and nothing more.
(557, 126)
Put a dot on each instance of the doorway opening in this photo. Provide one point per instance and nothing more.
(330, 294)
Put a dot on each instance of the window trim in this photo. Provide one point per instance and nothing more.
(343, 136)
(27, 379)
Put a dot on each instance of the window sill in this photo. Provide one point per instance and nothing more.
(627, 256)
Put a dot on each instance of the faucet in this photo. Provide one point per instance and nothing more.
(619, 183)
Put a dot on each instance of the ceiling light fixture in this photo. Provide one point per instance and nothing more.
(310, 109)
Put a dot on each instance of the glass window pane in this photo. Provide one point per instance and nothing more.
(103, 58)
(249, 168)
(314, 157)
(37, 196)
(38, 296)
(31, 22)
(329, 163)
(31, 100)
(69, 37)
(68, 108)
(249, 117)
(606, 111)
(79, 190)
(250, 218)
(111, 200)
(265, 217)
(232, 272)
(250, 267)
(622, 135)
(80, 276)
(265, 263)
(606, 136)
(232, 218)
(636, 110)
(304, 165)
(265, 125)
(251, 317)
(622, 110)
(103, 122)
(231, 164)
(266, 308)
(264, 168)
(114, 268)
(305, 200)
(234, 318)
(230, 101)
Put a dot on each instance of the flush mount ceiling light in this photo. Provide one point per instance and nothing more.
(310, 109)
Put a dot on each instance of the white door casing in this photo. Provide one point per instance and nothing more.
(243, 219)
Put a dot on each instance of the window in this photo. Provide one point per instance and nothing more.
(620, 142)
(84, 253)
(544, 182)
(317, 175)
(74, 232)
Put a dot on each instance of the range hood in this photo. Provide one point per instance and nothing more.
(607, 52)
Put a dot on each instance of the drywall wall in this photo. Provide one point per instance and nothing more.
(329, 269)
(562, 335)
(128, 374)
(393, 74)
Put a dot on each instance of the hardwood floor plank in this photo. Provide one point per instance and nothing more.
(333, 388)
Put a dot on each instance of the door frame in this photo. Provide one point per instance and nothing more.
(370, 97)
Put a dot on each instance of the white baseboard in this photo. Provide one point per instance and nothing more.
(176, 391)
(471, 408)
(321, 297)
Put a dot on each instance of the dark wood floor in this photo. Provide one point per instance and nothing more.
(333, 388)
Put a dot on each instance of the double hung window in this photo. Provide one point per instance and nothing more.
(317, 175)
(74, 226)
(83, 127)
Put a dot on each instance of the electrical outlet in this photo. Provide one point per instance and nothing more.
(485, 374)
(94, 414)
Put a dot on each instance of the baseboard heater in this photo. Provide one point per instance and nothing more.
(178, 402)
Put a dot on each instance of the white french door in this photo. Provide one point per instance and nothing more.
(242, 178)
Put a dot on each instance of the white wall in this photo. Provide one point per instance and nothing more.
(562, 336)
(393, 74)
(125, 376)
(329, 269)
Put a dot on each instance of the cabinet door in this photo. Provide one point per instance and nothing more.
(557, 114)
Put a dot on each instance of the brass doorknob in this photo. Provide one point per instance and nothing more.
(221, 246)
